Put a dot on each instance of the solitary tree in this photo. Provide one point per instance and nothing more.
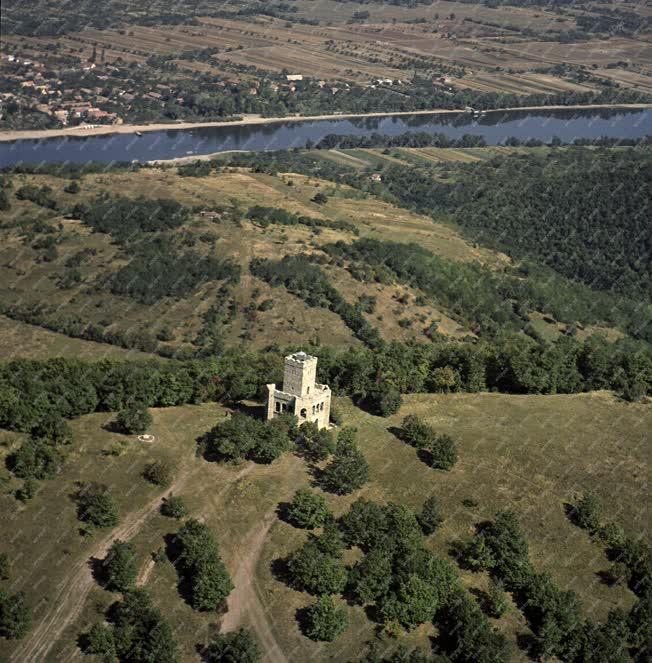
(587, 512)
(120, 566)
(443, 452)
(133, 419)
(324, 620)
(174, 507)
(234, 647)
(95, 506)
(349, 469)
(430, 517)
(15, 617)
(308, 509)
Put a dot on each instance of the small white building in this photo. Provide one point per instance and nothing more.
(301, 395)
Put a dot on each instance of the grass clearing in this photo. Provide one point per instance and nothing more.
(528, 453)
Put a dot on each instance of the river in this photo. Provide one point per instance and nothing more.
(494, 126)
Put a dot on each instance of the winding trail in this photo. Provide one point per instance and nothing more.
(244, 599)
(68, 602)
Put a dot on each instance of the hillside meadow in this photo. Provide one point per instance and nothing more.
(533, 454)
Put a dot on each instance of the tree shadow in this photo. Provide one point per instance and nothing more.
(425, 457)
(481, 597)
(397, 432)
(280, 571)
(302, 615)
(571, 512)
(113, 427)
(253, 411)
(283, 513)
(98, 571)
(526, 642)
(173, 552)
(373, 614)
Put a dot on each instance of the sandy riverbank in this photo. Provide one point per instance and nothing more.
(98, 130)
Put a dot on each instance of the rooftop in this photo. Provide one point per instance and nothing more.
(300, 356)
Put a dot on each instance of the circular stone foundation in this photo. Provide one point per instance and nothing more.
(146, 438)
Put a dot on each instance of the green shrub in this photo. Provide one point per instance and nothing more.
(158, 472)
(324, 620)
(308, 509)
(174, 507)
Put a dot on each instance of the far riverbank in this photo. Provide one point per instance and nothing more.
(250, 120)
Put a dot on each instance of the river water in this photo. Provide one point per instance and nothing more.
(495, 127)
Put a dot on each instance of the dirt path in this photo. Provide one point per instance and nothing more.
(244, 599)
(145, 573)
(69, 601)
(67, 604)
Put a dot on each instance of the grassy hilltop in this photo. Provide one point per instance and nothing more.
(172, 293)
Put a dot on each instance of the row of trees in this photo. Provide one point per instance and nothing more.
(264, 216)
(33, 392)
(439, 451)
(408, 139)
(157, 269)
(307, 281)
(554, 615)
(200, 566)
(15, 614)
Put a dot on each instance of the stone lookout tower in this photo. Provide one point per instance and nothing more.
(300, 395)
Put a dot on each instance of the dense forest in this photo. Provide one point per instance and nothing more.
(550, 278)
(584, 213)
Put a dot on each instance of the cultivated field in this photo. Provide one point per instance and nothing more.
(483, 49)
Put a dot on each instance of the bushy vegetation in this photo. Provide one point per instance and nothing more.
(233, 647)
(158, 270)
(581, 212)
(242, 437)
(264, 216)
(486, 300)
(174, 507)
(125, 219)
(200, 565)
(120, 567)
(15, 616)
(138, 633)
(307, 281)
(308, 509)
(159, 472)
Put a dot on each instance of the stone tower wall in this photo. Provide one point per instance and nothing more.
(299, 376)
